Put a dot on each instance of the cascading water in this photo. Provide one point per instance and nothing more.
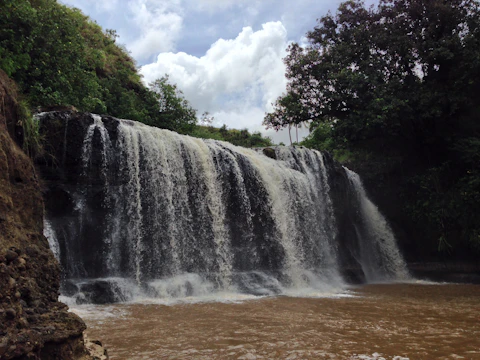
(161, 215)
(51, 238)
(380, 258)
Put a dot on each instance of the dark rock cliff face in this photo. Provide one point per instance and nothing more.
(33, 324)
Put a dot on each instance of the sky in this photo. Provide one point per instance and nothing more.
(225, 55)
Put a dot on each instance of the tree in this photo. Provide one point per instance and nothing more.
(289, 112)
(377, 71)
(206, 119)
(58, 56)
(176, 113)
(17, 19)
(397, 84)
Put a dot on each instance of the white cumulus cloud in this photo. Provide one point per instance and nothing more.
(215, 5)
(146, 27)
(236, 80)
(98, 6)
(159, 23)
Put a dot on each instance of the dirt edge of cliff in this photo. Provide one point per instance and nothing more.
(33, 323)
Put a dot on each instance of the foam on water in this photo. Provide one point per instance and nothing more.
(96, 312)
(194, 288)
(377, 356)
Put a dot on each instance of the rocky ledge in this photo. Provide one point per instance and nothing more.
(33, 323)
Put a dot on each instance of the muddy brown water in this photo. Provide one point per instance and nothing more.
(376, 321)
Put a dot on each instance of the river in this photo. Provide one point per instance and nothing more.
(382, 321)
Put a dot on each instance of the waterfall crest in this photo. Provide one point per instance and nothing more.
(158, 214)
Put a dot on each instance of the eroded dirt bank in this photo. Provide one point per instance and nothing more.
(33, 323)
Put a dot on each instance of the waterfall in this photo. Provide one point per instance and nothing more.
(160, 215)
(49, 233)
(380, 258)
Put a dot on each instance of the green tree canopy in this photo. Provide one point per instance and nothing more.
(397, 83)
(58, 56)
(404, 69)
(176, 113)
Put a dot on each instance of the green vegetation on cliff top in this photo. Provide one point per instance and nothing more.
(58, 56)
(393, 91)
